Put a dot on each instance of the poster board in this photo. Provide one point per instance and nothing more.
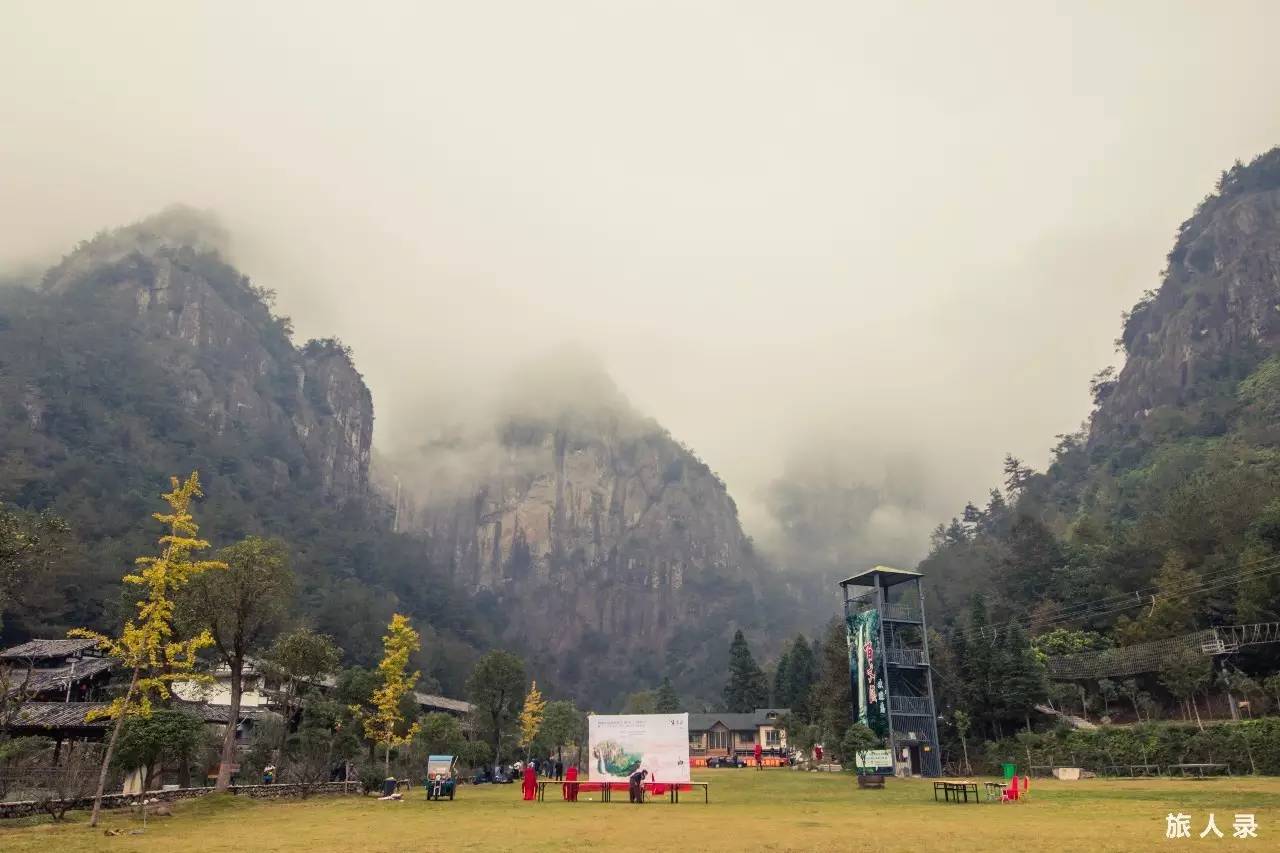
(874, 761)
(621, 744)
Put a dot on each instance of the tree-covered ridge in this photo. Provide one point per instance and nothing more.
(1162, 515)
(144, 352)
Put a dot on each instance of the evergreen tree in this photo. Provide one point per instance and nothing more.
(782, 695)
(802, 672)
(831, 698)
(746, 688)
(980, 665)
(666, 700)
(1023, 681)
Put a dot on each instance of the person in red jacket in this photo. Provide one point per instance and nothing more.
(530, 785)
(570, 790)
(759, 754)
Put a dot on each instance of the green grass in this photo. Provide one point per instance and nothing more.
(749, 810)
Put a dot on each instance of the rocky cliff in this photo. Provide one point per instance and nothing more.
(612, 552)
(165, 282)
(144, 354)
(1215, 316)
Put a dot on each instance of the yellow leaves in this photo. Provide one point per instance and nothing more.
(400, 642)
(146, 645)
(531, 715)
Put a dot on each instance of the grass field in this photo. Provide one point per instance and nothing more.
(749, 810)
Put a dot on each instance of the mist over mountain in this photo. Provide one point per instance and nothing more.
(1171, 486)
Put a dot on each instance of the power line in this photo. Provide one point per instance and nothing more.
(1112, 604)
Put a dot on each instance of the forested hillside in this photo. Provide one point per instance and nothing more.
(144, 354)
(1162, 515)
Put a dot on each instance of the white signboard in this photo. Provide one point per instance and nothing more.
(874, 759)
(622, 744)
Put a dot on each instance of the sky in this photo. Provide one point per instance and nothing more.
(880, 242)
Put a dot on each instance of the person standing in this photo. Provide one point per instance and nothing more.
(570, 790)
(530, 784)
(759, 753)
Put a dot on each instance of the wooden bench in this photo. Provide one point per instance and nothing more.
(870, 780)
(670, 789)
(954, 791)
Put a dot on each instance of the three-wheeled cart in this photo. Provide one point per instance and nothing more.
(442, 777)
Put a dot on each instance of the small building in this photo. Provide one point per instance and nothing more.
(731, 736)
(253, 692)
(62, 670)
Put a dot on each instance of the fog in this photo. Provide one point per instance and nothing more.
(872, 246)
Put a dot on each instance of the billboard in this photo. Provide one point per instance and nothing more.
(621, 744)
(866, 670)
(874, 761)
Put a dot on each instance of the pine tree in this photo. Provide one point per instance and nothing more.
(666, 701)
(147, 646)
(746, 689)
(381, 727)
(782, 694)
(831, 697)
(979, 663)
(1023, 680)
(802, 672)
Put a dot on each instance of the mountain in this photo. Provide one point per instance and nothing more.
(1174, 482)
(613, 555)
(144, 354)
(569, 529)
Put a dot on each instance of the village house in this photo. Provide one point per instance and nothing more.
(728, 737)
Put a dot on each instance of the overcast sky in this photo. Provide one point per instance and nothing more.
(895, 231)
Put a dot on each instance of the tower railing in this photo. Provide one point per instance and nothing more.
(906, 657)
(903, 613)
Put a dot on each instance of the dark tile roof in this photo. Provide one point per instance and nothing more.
(443, 703)
(42, 680)
(38, 649)
(221, 713)
(735, 722)
(58, 715)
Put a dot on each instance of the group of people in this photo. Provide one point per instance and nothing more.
(551, 769)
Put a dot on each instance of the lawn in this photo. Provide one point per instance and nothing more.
(749, 810)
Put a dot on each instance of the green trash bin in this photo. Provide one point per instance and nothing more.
(1009, 770)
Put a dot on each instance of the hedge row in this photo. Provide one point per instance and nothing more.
(1251, 746)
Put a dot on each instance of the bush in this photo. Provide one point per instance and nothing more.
(371, 779)
(1252, 746)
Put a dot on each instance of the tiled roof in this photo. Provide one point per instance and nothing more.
(59, 715)
(735, 722)
(443, 703)
(52, 679)
(37, 649)
(221, 713)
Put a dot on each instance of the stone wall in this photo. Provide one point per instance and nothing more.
(25, 808)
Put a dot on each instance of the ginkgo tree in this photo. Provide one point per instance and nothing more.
(147, 646)
(535, 708)
(385, 724)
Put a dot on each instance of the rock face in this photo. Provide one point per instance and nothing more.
(1216, 315)
(600, 537)
(213, 332)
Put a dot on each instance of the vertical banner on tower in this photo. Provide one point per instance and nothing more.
(867, 670)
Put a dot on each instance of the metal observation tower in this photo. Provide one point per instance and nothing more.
(892, 684)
